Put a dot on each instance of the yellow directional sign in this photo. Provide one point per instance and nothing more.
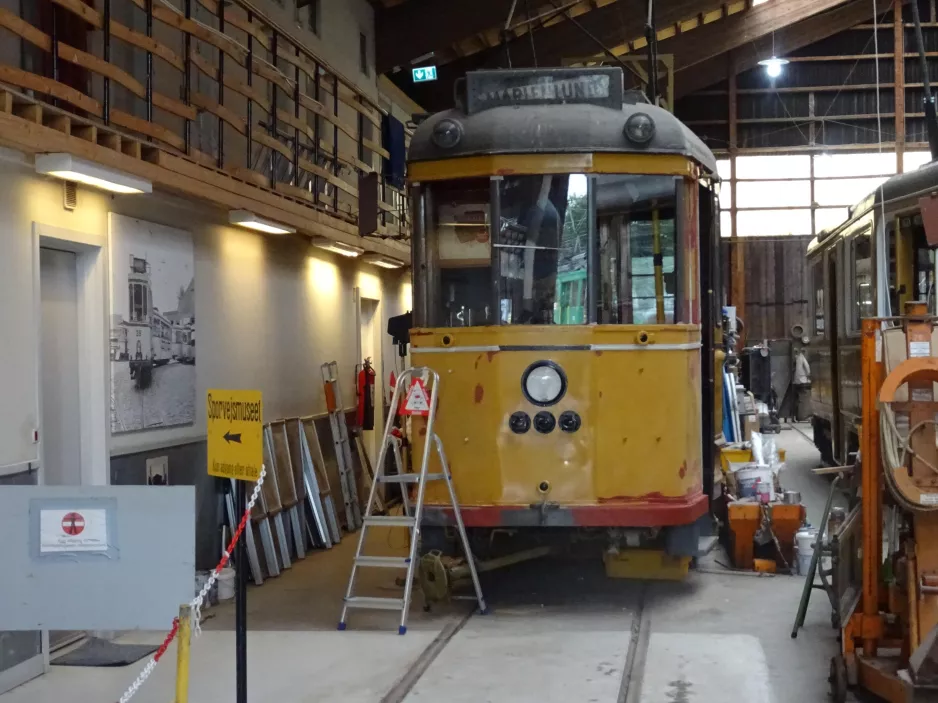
(235, 434)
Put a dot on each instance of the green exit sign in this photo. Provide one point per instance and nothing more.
(424, 74)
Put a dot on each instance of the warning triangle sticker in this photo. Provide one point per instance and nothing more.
(418, 400)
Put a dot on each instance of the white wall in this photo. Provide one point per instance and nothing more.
(270, 310)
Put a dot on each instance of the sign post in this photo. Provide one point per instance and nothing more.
(236, 450)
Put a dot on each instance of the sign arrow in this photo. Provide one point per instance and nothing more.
(232, 437)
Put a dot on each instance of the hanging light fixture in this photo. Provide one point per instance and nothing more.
(773, 66)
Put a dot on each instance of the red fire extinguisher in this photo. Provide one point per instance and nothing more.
(365, 388)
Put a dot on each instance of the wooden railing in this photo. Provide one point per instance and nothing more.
(213, 80)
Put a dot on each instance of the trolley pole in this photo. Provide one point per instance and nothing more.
(241, 604)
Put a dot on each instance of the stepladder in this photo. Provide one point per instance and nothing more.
(342, 443)
(413, 511)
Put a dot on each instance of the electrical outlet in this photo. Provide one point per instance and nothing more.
(158, 471)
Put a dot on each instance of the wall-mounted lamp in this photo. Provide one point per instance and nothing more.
(773, 66)
(385, 262)
(337, 247)
(71, 168)
(244, 218)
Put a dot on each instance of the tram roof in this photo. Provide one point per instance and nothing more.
(563, 126)
(915, 183)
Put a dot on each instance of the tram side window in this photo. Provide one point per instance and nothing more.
(461, 238)
(817, 283)
(862, 279)
(542, 249)
(637, 239)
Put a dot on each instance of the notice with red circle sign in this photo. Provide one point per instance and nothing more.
(83, 530)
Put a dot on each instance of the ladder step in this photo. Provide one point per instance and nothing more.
(408, 478)
(375, 603)
(390, 521)
(386, 562)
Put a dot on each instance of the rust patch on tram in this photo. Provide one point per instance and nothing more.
(479, 393)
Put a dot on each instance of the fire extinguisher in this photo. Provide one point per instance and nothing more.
(365, 388)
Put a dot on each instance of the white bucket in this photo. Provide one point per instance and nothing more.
(201, 578)
(804, 544)
(226, 584)
(746, 480)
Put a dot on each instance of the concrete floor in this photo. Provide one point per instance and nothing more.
(559, 631)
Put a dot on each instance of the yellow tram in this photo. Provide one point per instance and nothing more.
(563, 253)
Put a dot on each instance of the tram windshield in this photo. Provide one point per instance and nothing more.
(514, 250)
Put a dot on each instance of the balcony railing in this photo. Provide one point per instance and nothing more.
(216, 81)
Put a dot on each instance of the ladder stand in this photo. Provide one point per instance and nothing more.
(343, 448)
(411, 519)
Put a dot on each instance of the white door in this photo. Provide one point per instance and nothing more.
(60, 430)
(371, 349)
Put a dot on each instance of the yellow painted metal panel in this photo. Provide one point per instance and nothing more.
(639, 404)
(511, 164)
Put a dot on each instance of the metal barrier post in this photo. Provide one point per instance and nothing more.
(182, 654)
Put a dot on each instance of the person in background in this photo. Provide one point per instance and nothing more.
(801, 380)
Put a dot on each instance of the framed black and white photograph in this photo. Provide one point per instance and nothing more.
(152, 337)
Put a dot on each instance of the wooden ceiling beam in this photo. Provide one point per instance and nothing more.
(705, 49)
(612, 23)
(412, 29)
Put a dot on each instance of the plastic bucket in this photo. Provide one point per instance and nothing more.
(746, 480)
(804, 544)
(226, 584)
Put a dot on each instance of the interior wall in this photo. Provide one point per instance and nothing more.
(270, 310)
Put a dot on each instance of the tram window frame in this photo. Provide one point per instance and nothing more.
(853, 284)
(530, 274)
(469, 302)
(818, 311)
(617, 279)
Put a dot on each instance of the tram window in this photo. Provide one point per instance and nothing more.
(817, 283)
(862, 279)
(637, 230)
(459, 238)
(542, 252)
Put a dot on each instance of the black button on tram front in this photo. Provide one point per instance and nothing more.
(519, 422)
(544, 422)
(569, 421)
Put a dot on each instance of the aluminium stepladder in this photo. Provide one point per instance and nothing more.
(343, 445)
(411, 520)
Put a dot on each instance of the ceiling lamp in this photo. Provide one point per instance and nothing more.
(244, 218)
(773, 66)
(71, 168)
(335, 247)
(385, 262)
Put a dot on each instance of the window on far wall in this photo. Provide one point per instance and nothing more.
(313, 17)
(363, 53)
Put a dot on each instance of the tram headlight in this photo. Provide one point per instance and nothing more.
(447, 134)
(544, 383)
(639, 128)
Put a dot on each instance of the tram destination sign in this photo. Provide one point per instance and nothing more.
(558, 86)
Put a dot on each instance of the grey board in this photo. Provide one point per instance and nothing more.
(139, 582)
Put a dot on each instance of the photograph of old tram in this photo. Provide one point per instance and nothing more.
(152, 340)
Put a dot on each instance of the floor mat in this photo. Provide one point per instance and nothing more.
(98, 652)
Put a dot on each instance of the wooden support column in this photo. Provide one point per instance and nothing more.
(737, 254)
(898, 31)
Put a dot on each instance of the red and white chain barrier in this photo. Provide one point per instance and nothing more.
(196, 603)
